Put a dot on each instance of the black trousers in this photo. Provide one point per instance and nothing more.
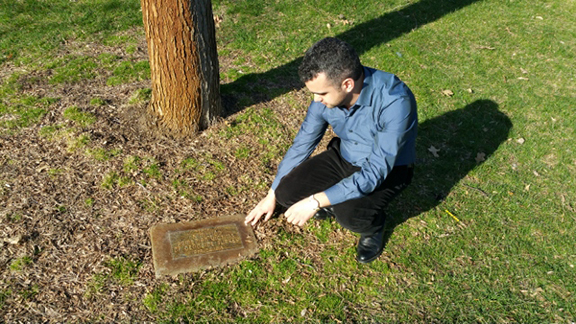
(363, 215)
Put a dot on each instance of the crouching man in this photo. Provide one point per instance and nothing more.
(373, 114)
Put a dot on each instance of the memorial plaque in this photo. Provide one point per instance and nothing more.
(186, 247)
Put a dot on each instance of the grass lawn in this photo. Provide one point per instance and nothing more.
(481, 235)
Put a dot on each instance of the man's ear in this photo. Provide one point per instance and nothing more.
(348, 85)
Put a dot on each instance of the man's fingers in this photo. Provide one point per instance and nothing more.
(289, 218)
(268, 215)
(252, 217)
(256, 219)
(294, 220)
(249, 217)
(300, 222)
(264, 208)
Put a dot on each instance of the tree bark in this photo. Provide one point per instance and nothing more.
(183, 64)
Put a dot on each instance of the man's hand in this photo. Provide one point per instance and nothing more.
(300, 212)
(265, 207)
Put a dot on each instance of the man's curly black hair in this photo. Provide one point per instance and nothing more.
(332, 56)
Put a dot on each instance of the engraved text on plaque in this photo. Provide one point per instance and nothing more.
(205, 240)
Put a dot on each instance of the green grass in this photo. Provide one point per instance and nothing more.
(71, 69)
(101, 154)
(55, 172)
(123, 270)
(29, 292)
(129, 71)
(82, 118)
(507, 255)
(20, 263)
(153, 299)
(17, 112)
(189, 164)
(32, 28)
(270, 134)
(89, 202)
(110, 180)
(50, 131)
(185, 190)
(140, 96)
(120, 271)
(75, 143)
(153, 170)
(14, 217)
(131, 163)
(4, 295)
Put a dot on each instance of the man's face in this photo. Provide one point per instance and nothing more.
(326, 92)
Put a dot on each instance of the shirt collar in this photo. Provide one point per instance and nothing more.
(365, 98)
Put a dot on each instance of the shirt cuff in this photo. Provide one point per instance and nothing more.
(335, 194)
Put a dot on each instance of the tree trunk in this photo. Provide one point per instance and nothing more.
(183, 63)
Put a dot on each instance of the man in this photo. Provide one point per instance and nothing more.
(373, 114)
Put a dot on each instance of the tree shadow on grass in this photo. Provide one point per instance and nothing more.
(261, 87)
(462, 136)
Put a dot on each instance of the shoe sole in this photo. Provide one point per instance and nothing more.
(372, 258)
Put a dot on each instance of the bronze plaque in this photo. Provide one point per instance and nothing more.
(186, 247)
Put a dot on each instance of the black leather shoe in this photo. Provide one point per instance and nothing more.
(323, 213)
(370, 246)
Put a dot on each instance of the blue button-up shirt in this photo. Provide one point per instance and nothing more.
(378, 132)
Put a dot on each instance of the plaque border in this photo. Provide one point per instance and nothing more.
(164, 264)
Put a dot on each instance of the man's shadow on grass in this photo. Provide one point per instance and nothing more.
(265, 86)
(465, 138)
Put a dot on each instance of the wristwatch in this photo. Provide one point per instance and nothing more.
(314, 202)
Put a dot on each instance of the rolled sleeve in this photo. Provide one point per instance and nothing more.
(308, 137)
